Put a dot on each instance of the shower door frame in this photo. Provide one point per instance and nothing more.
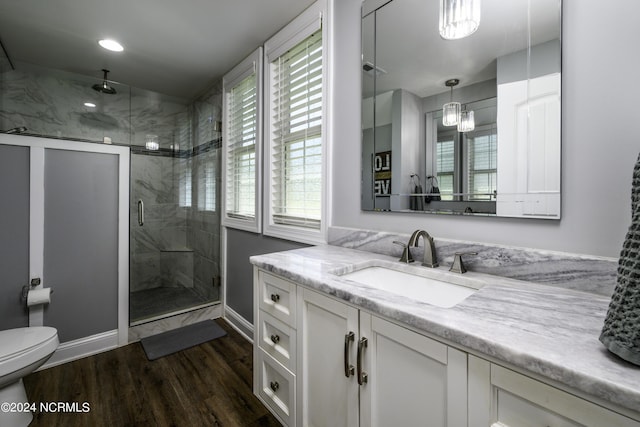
(37, 147)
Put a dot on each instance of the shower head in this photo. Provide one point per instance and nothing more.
(20, 129)
(104, 86)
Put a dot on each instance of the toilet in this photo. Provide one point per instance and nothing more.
(22, 351)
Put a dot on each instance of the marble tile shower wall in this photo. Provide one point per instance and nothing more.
(203, 221)
(159, 250)
(52, 103)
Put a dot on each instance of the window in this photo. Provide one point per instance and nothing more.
(242, 142)
(207, 182)
(296, 142)
(184, 181)
(482, 158)
(445, 164)
(466, 164)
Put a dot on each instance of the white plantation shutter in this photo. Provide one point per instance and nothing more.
(242, 144)
(207, 182)
(241, 150)
(445, 167)
(184, 181)
(482, 164)
(296, 137)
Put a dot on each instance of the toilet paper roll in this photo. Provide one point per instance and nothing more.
(38, 296)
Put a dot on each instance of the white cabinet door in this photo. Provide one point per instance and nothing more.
(412, 380)
(327, 397)
(406, 379)
(500, 397)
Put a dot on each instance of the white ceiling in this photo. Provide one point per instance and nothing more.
(175, 47)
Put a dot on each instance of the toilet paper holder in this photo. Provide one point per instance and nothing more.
(26, 288)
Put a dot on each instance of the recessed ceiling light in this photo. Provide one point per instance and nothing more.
(111, 45)
(90, 104)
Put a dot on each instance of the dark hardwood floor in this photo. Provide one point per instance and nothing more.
(207, 385)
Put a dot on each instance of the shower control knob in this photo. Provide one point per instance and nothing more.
(275, 339)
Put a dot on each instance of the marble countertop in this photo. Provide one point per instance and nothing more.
(546, 330)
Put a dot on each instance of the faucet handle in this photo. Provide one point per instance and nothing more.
(458, 265)
(406, 253)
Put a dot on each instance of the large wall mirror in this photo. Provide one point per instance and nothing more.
(497, 152)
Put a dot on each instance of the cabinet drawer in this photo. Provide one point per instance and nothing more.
(276, 388)
(277, 297)
(278, 340)
(523, 401)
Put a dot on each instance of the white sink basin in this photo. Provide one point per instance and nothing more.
(433, 291)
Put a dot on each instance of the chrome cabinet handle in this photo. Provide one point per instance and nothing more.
(275, 297)
(362, 376)
(499, 424)
(140, 213)
(275, 339)
(274, 386)
(348, 368)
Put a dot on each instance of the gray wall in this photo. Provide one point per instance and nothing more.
(545, 59)
(81, 242)
(598, 151)
(14, 235)
(240, 246)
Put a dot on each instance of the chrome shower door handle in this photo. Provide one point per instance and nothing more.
(140, 213)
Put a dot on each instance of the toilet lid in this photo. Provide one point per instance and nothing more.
(13, 341)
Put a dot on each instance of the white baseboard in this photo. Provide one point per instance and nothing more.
(239, 323)
(83, 347)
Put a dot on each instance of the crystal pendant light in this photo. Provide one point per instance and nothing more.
(152, 142)
(451, 110)
(459, 18)
(467, 122)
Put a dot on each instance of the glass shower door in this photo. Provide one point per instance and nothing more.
(173, 263)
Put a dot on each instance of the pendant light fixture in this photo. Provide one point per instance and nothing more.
(451, 110)
(459, 18)
(467, 121)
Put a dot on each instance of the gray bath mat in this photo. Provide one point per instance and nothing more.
(170, 342)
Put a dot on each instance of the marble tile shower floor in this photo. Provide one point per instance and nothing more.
(157, 301)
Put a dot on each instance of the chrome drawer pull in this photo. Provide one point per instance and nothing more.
(275, 339)
(362, 376)
(348, 369)
(274, 386)
(275, 297)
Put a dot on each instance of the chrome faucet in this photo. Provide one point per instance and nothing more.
(458, 265)
(430, 259)
(406, 253)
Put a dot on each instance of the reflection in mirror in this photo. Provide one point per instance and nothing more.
(507, 161)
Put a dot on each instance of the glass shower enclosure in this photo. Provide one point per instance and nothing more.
(174, 235)
(174, 222)
(175, 145)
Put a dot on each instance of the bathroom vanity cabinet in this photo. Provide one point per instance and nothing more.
(365, 368)
(501, 397)
(352, 368)
(319, 361)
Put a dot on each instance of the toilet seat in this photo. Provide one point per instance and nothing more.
(22, 347)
